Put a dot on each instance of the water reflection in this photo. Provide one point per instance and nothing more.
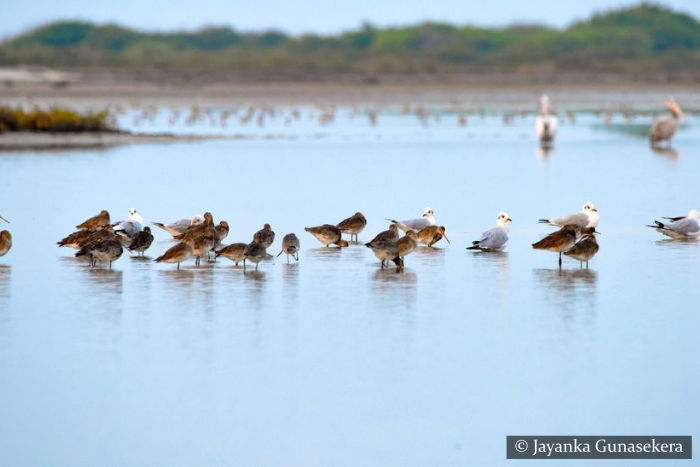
(567, 287)
(666, 152)
(394, 289)
(496, 261)
(544, 152)
(428, 255)
(101, 280)
(5, 276)
(327, 254)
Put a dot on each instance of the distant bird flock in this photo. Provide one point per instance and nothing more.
(100, 240)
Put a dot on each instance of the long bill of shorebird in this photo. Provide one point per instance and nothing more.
(3, 219)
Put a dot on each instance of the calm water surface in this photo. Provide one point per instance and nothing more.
(331, 361)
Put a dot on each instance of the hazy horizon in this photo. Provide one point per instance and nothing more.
(312, 17)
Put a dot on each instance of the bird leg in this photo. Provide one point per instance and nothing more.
(560, 260)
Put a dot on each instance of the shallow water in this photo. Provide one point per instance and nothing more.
(331, 360)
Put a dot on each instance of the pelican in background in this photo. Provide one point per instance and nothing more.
(545, 123)
(663, 128)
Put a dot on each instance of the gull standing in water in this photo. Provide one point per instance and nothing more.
(179, 227)
(664, 128)
(129, 227)
(353, 225)
(545, 123)
(586, 248)
(426, 220)
(560, 241)
(176, 254)
(141, 241)
(588, 217)
(494, 239)
(290, 246)
(327, 234)
(95, 222)
(432, 234)
(687, 227)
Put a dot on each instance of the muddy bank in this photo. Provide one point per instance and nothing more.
(17, 141)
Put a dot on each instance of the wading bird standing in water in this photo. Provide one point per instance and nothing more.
(663, 128)
(5, 240)
(545, 123)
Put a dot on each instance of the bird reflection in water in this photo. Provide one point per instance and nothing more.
(290, 282)
(665, 152)
(427, 255)
(495, 261)
(101, 280)
(544, 152)
(566, 288)
(5, 277)
(394, 290)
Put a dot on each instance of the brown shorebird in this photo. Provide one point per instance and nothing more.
(586, 248)
(386, 250)
(432, 234)
(327, 234)
(290, 246)
(267, 236)
(194, 231)
(663, 129)
(141, 241)
(80, 238)
(176, 254)
(234, 252)
(105, 251)
(180, 226)
(588, 217)
(392, 234)
(221, 232)
(494, 239)
(427, 219)
(255, 251)
(5, 242)
(353, 225)
(95, 222)
(560, 241)
(407, 243)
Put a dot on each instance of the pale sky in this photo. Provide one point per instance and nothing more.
(320, 16)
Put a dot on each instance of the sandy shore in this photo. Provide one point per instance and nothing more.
(40, 141)
(594, 96)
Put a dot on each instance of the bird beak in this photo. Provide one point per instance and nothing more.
(595, 209)
(2, 218)
(509, 219)
(448, 240)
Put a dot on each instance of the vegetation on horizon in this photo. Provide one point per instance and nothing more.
(52, 120)
(646, 38)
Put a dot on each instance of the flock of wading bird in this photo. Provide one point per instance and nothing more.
(100, 240)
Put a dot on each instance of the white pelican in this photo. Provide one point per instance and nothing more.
(663, 128)
(545, 123)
